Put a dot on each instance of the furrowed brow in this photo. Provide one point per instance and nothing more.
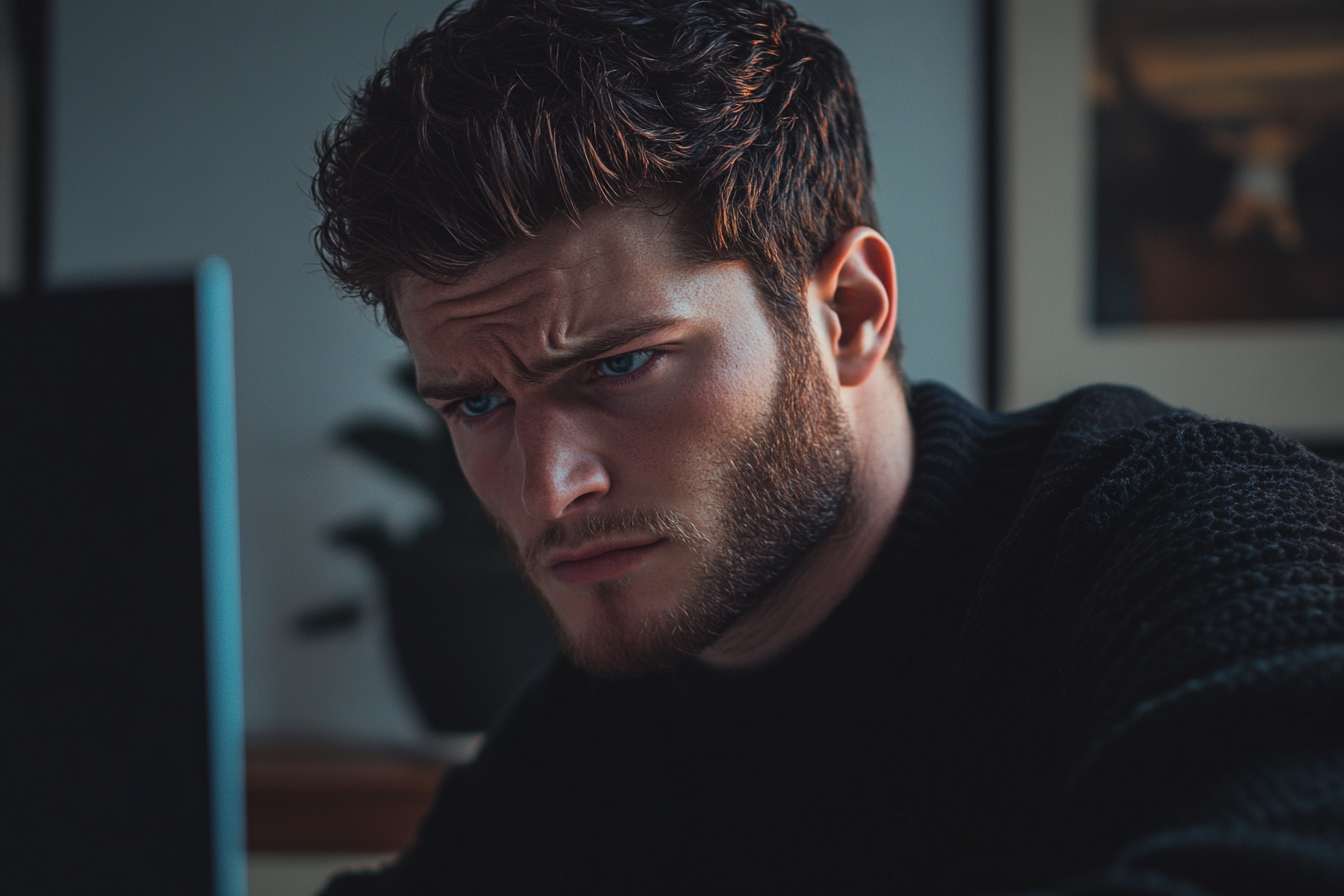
(592, 347)
(588, 348)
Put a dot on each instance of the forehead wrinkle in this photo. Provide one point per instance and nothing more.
(497, 298)
(555, 361)
(513, 358)
(593, 346)
(491, 350)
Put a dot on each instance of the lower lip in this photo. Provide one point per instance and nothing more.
(604, 566)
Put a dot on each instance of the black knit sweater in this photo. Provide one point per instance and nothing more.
(1102, 651)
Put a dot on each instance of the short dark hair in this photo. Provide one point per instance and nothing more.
(508, 113)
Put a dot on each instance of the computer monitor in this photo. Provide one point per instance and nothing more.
(122, 753)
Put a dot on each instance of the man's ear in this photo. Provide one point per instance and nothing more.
(853, 291)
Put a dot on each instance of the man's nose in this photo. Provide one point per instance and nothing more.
(561, 470)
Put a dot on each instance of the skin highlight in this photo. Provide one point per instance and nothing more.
(617, 407)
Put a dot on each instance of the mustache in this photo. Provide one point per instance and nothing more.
(658, 522)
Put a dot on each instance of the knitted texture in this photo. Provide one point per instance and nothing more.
(1102, 651)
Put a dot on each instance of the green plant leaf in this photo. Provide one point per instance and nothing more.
(425, 459)
(328, 618)
(370, 537)
(458, 536)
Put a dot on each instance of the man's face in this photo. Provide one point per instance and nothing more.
(655, 455)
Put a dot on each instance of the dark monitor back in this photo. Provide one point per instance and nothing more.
(105, 757)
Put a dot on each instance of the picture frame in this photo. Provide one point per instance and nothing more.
(1288, 375)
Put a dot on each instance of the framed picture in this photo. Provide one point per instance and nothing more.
(1171, 205)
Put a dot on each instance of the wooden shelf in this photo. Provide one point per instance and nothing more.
(323, 797)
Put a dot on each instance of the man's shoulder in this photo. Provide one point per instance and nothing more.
(1104, 410)
(1094, 434)
(1081, 418)
(1164, 604)
(1111, 475)
(1107, 430)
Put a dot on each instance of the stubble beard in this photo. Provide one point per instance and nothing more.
(780, 489)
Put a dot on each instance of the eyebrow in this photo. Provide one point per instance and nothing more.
(588, 348)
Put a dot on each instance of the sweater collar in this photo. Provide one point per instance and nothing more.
(951, 446)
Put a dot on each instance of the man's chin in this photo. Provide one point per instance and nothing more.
(616, 644)
(617, 660)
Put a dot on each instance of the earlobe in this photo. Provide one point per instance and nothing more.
(854, 289)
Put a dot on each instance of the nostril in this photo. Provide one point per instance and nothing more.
(561, 479)
(557, 448)
(551, 492)
(561, 471)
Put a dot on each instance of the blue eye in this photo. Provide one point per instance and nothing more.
(620, 365)
(479, 404)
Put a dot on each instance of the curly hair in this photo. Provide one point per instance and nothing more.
(508, 113)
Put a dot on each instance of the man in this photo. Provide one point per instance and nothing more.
(820, 633)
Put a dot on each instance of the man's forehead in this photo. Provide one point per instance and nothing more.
(443, 379)
(488, 291)
(604, 244)
(535, 316)
(570, 276)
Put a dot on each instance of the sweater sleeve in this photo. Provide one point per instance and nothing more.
(497, 824)
(1185, 679)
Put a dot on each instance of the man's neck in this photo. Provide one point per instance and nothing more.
(884, 442)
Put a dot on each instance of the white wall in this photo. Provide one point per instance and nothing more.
(917, 64)
(184, 127)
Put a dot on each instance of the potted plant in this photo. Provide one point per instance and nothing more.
(467, 631)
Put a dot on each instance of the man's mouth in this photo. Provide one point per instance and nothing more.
(598, 562)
